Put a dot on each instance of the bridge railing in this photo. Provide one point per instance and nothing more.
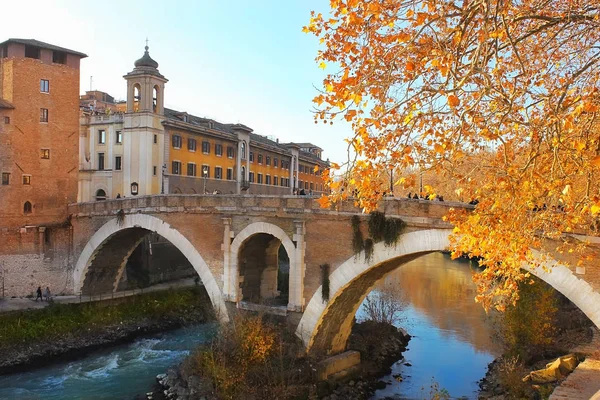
(257, 203)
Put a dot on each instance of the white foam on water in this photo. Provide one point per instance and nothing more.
(103, 371)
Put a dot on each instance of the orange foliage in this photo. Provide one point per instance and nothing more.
(498, 98)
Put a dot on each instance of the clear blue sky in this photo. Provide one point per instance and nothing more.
(231, 60)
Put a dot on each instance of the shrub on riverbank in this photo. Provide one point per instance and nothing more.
(250, 359)
(58, 320)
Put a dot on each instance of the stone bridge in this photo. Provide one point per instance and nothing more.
(233, 243)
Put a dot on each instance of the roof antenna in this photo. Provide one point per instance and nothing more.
(91, 80)
(146, 43)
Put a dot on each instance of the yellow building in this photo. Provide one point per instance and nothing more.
(142, 148)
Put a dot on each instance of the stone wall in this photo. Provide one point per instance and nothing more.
(35, 256)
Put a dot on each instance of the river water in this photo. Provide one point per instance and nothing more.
(120, 372)
(451, 346)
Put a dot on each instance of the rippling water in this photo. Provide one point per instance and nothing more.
(118, 373)
(451, 344)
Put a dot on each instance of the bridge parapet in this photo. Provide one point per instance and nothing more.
(422, 211)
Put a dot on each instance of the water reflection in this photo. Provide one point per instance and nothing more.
(451, 342)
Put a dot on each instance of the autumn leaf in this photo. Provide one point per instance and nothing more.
(453, 101)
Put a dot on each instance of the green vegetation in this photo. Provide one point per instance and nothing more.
(58, 320)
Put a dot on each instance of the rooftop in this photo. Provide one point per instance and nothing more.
(43, 45)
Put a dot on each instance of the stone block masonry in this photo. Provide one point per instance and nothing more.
(35, 256)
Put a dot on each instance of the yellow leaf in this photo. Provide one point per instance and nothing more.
(322, 65)
(329, 87)
(595, 209)
(438, 148)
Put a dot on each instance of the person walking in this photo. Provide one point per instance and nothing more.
(39, 294)
(47, 294)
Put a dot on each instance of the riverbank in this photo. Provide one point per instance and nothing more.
(504, 377)
(31, 339)
(380, 345)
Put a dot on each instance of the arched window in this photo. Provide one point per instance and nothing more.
(155, 93)
(137, 97)
(243, 150)
(243, 173)
(100, 195)
(27, 208)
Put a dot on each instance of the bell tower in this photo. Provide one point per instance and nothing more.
(143, 132)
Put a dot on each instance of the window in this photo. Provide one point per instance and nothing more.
(43, 115)
(176, 141)
(58, 57)
(306, 185)
(176, 168)
(282, 181)
(44, 86)
(119, 137)
(311, 186)
(191, 169)
(251, 177)
(206, 171)
(268, 160)
(27, 208)
(26, 179)
(154, 170)
(192, 144)
(155, 139)
(5, 178)
(243, 150)
(260, 178)
(268, 179)
(275, 162)
(206, 147)
(32, 52)
(229, 174)
(101, 136)
(7, 120)
(275, 181)
(118, 163)
(230, 152)
(260, 158)
(251, 156)
(218, 173)
(100, 161)
(100, 195)
(218, 149)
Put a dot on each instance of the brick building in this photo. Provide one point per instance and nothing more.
(39, 122)
(39, 94)
(144, 148)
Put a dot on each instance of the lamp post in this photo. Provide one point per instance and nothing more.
(205, 173)
(162, 178)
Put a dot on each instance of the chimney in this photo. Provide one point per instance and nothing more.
(277, 140)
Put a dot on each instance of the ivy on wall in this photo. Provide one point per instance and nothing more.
(381, 229)
(325, 282)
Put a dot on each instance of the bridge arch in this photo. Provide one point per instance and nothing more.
(127, 235)
(325, 326)
(237, 245)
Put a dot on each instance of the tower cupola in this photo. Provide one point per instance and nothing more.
(145, 86)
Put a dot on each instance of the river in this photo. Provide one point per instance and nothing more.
(121, 372)
(451, 346)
